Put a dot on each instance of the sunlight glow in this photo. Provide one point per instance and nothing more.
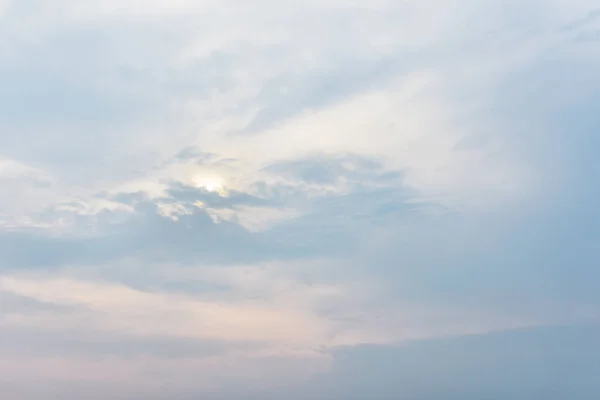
(210, 183)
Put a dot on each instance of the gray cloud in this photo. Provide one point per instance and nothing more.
(549, 363)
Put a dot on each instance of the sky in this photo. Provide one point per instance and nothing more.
(333, 199)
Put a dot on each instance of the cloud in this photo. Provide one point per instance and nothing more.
(549, 362)
(211, 198)
(255, 324)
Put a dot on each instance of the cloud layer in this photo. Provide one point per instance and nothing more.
(226, 199)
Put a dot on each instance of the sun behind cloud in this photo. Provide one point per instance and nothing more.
(211, 183)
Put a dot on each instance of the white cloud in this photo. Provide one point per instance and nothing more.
(409, 123)
(116, 307)
(214, 110)
(254, 219)
(287, 307)
(409, 119)
(270, 325)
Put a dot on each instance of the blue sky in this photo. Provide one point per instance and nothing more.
(335, 199)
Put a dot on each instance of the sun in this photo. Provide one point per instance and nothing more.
(210, 183)
(212, 186)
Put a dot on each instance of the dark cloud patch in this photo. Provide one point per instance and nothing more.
(193, 154)
(147, 236)
(190, 194)
(328, 170)
(150, 237)
(545, 363)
